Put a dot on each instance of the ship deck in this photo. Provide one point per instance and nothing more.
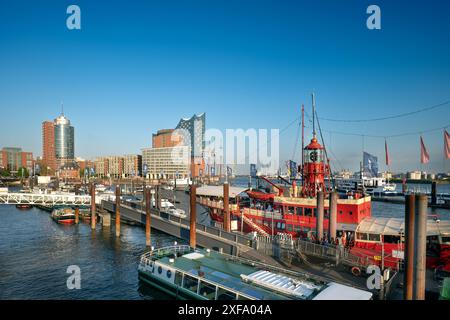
(217, 268)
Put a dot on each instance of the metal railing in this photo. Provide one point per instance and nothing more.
(166, 251)
(218, 232)
(279, 247)
(44, 199)
(276, 214)
(317, 250)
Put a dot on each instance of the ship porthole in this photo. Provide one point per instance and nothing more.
(356, 271)
(169, 274)
(159, 270)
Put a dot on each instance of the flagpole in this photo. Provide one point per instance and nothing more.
(444, 155)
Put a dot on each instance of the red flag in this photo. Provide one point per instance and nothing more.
(446, 144)
(424, 156)
(388, 161)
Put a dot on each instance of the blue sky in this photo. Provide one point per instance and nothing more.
(139, 66)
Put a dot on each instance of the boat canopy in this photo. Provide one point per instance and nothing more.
(396, 226)
(217, 191)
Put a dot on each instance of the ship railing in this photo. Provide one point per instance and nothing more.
(216, 204)
(276, 214)
(165, 252)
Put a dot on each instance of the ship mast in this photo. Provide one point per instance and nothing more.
(314, 132)
(303, 143)
(313, 114)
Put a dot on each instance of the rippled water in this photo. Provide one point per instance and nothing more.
(35, 253)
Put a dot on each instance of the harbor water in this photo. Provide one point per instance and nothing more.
(35, 253)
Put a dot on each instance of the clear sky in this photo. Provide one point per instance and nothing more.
(139, 66)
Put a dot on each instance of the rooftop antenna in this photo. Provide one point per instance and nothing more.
(313, 114)
(62, 108)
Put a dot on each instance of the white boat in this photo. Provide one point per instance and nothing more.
(100, 188)
(168, 207)
(107, 195)
(371, 185)
(181, 182)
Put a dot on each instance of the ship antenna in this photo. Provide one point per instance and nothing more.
(313, 114)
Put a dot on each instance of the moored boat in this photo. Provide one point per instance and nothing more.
(23, 206)
(293, 210)
(187, 273)
(63, 216)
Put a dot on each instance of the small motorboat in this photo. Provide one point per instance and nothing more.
(63, 216)
(24, 206)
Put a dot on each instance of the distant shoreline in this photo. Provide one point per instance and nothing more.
(422, 181)
(396, 180)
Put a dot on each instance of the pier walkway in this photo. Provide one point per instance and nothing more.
(207, 236)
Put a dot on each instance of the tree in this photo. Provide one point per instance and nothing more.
(4, 172)
(23, 172)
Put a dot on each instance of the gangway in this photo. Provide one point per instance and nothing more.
(45, 199)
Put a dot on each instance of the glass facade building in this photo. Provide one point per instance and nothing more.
(64, 139)
(195, 126)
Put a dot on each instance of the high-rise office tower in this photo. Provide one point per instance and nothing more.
(48, 144)
(58, 142)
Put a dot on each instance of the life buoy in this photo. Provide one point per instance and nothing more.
(356, 271)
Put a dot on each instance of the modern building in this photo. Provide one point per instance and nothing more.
(64, 140)
(48, 145)
(167, 163)
(195, 126)
(13, 159)
(110, 166)
(101, 167)
(115, 166)
(132, 166)
(166, 138)
(58, 142)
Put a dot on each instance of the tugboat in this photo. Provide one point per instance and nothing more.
(63, 216)
(187, 273)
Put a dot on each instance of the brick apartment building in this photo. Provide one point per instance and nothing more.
(13, 159)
